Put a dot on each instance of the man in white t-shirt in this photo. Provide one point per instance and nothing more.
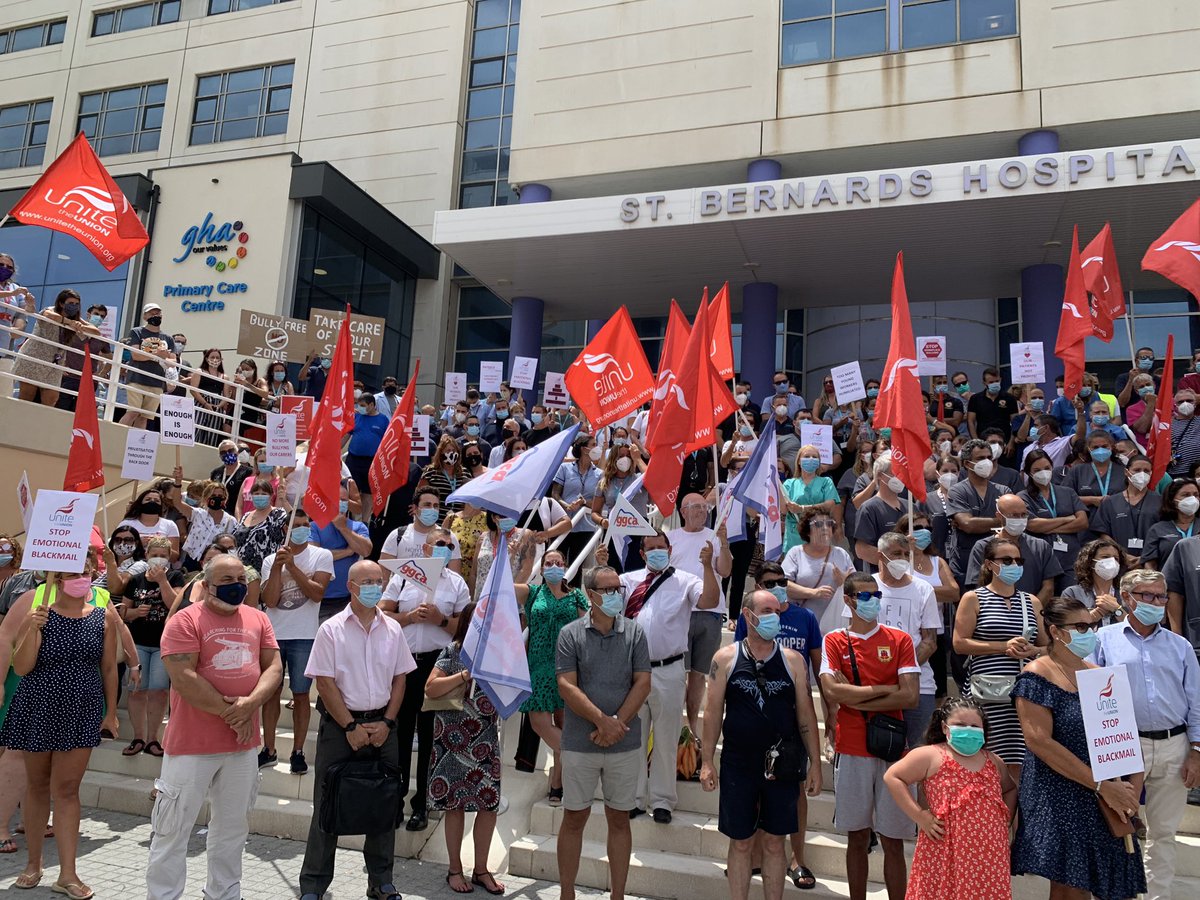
(704, 632)
(293, 583)
(408, 542)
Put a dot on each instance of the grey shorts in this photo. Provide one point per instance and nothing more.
(616, 772)
(861, 800)
(704, 639)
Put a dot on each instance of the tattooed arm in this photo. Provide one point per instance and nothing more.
(714, 713)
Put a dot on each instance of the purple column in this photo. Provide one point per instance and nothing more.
(1038, 142)
(526, 335)
(760, 313)
(534, 193)
(760, 170)
(1041, 306)
(593, 328)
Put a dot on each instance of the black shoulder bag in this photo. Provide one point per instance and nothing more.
(886, 736)
(361, 796)
(786, 759)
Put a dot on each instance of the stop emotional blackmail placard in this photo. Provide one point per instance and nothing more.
(1114, 748)
(60, 528)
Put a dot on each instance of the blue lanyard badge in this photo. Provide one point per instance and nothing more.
(1050, 502)
(1102, 484)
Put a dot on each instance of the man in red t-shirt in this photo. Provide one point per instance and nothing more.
(888, 681)
(224, 663)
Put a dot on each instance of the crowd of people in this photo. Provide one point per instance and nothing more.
(942, 638)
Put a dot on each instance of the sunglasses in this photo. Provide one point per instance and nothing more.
(1155, 599)
(774, 583)
(442, 544)
(867, 595)
(1080, 627)
(821, 523)
(778, 382)
(1009, 560)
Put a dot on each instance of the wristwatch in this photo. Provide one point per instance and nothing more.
(349, 728)
(390, 723)
(445, 622)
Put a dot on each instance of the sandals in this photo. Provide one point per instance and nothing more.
(154, 748)
(466, 887)
(136, 746)
(27, 880)
(477, 878)
(803, 873)
(8, 845)
(555, 796)
(75, 890)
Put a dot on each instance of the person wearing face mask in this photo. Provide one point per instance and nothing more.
(473, 456)
(1185, 434)
(508, 431)
(494, 429)
(231, 474)
(990, 408)
(255, 398)
(604, 676)
(945, 403)
(742, 440)
(430, 622)
(1061, 833)
(57, 327)
(444, 473)
(857, 480)
(1098, 419)
(314, 372)
(1176, 522)
(816, 567)
(937, 495)
(971, 505)
(145, 516)
(210, 390)
(621, 469)
(1139, 410)
(365, 438)
(1098, 572)
(575, 486)
(868, 669)
(1128, 517)
(408, 541)
(261, 469)
(520, 544)
(14, 300)
(781, 396)
(1101, 476)
(151, 351)
(360, 662)
(1125, 386)
(204, 522)
(1163, 678)
(807, 489)
(263, 530)
(223, 662)
(759, 700)
(1041, 566)
(470, 434)
(999, 448)
(878, 515)
(348, 541)
(1056, 514)
(388, 398)
(542, 425)
(745, 410)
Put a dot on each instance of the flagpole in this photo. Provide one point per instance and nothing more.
(104, 510)
(910, 529)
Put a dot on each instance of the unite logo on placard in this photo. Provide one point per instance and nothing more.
(64, 515)
(1105, 701)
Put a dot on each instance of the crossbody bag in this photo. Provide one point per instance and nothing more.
(997, 688)
(786, 759)
(886, 735)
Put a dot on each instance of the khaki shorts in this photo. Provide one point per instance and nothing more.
(617, 772)
(144, 398)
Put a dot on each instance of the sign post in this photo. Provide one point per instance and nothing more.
(1028, 362)
(281, 440)
(848, 383)
(491, 375)
(366, 335)
(272, 337)
(302, 409)
(178, 425)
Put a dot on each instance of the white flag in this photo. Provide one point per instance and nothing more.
(423, 571)
(625, 521)
(508, 490)
(758, 488)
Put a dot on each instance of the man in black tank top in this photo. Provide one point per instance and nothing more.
(759, 691)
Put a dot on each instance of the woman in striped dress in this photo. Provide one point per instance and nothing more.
(997, 627)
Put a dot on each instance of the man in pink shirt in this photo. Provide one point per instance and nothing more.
(224, 663)
(359, 659)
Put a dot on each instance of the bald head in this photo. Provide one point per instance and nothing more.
(365, 570)
(694, 511)
(1011, 506)
(761, 602)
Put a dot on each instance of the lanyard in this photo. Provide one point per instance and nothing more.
(1050, 502)
(1188, 533)
(1103, 485)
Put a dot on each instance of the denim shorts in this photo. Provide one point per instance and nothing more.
(294, 654)
(154, 673)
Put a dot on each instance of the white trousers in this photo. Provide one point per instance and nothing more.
(663, 710)
(1166, 802)
(230, 783)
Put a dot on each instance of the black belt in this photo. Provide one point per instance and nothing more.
(1154, 735)
(368, 713)
(658, 663)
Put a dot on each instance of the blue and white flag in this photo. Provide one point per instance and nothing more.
(624, 521)
(732, 512)
(493, 649)
(508, 490)
(758, 488)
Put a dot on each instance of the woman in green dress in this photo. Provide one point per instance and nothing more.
(547, 608)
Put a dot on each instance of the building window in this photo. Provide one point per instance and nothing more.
(819, 30)
(131, 18)
(491, 83)
(23, 131)
(247, 103)
(123, 120)
(30, 37)
(216, 7)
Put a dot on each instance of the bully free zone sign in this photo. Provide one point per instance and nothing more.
(279, 338)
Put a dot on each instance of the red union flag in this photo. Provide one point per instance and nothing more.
(721, 348)
(670, 361)
(389, 468)
(1074, 325)
(77, 196)
(85, 466)
(1176, 254)
(335, 417)
(611, 378)
(1102, 277)
(1158, 444)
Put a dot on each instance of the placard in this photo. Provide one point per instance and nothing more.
(141, 449)
(556, 396)
(931, 355)
(524, 372)
(491, 376)
(302, 408)
(281, 440)
(1028, 362)
(456, 386)
(60, 530)
(25, 499)
(848, 383)
(178, 423)
(1109, 722)
(108, 327)
(366, 335)
(821, 437)
(423, 572)
(272, 337)
(420, 435)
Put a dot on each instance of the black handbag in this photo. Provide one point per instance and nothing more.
(886, 735)
(361, 796)
(528, 744)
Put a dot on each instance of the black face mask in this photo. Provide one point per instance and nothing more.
(152, 508)
(474, 461)
(390, 390)
(6, 272)
(216, 502)
(154, 321)
(71, 310)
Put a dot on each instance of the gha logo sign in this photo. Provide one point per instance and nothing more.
(222, 245)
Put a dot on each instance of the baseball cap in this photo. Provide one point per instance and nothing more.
(151, 307)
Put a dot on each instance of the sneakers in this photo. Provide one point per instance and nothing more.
(267, 758)
(298, 765)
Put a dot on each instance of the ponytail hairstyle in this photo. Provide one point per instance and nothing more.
(935, 735)
(990, 551)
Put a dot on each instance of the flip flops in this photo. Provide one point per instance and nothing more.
(136, 746)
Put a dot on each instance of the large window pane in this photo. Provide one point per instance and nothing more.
(28, 38)
(474, 196)
(279, 99)
(929, 24)
(489, 72)
(479, 165)
(111, 146)
(848, 6)
(805, 9)
(474, 302)
(206, 110)
(484, 133)
(133, 17)
(126, 98)
(103, 24)
(119, 121)
(807, 42)
(981, 19)
(860, 35)
(484, 103)
(489, 42)
(490, 12)
(238, 129)
(245, 80)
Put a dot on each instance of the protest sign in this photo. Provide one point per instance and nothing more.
(931, 355)
(423, 572)
(420, 435)
(456, 386)
(848, 382)
(272, 337)
(1028, 362)
(366, 335)
(281, 440)
(491, 374)
(303, 409)
(108, 325)
(141, 449)
(60, 530)
(556, 396)
(524, 372)
(821, 437)
(178, 424)
(1109, 722)
(25, 499)
(625, 520)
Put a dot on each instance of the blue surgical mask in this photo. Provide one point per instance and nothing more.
(966, 740)
(427, 516)
(1145, 364)
(279, 376)
(657, 560)
(872, 392)
(553, 574)
(809, 464)
(869, 609)
(781, 387)
(502, 414)
(191, 501)
(767, 625)
(1033, 432)
(326, 363)
(1101, 454)
(612, 603)
(231, 594)
(1148, 614)
(361, 409)
(473, 430)
(1037, 403)
(922, 537)
(780, 593)
(993, 387)
(1085, 392)
(746, 431)
(506, 524)
(260, 501)
(301, 534)
(1145, 390)
(1011, 573)
(96, 319)
(5, 559)
(343, 506)
(442, 553)
(1082, 645)
(266, 468)
(369, 595)
(941, 388)
(1099, 421)
(535, 418)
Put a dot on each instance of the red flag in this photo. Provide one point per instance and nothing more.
(1074, 325)
(85, 466)
(1176, 255)
(77, 196)
(713, 400)
(1158, 443)
(335, 417)
(670, 361)
(899, 406)
(721, 349)
(389, 468)
(1102, 276)
(662, 477)
(611, 378)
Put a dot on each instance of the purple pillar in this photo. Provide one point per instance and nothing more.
(1041, 306)
(1036, 143)
(760, 313)
(526, 335)
(593, 328)
(760, 170)
(534, 193)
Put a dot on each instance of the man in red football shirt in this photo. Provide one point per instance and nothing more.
(887, 681)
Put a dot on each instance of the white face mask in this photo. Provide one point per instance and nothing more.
(781, 411)
(897, 568)
(741, 399)
(947, 480)
(1139, 480)
(983, 468)
(460, 417)
(1107, 568)
(997, 450)
(1188, 505)
(866, 457)
(1043, 477)
(944, 447)
(624, 464)
(1123, 458)
(1186, 409)
(594, 454)
(895, 485)
(1015, 526)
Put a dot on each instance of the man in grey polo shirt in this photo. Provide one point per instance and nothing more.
(603, 665)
